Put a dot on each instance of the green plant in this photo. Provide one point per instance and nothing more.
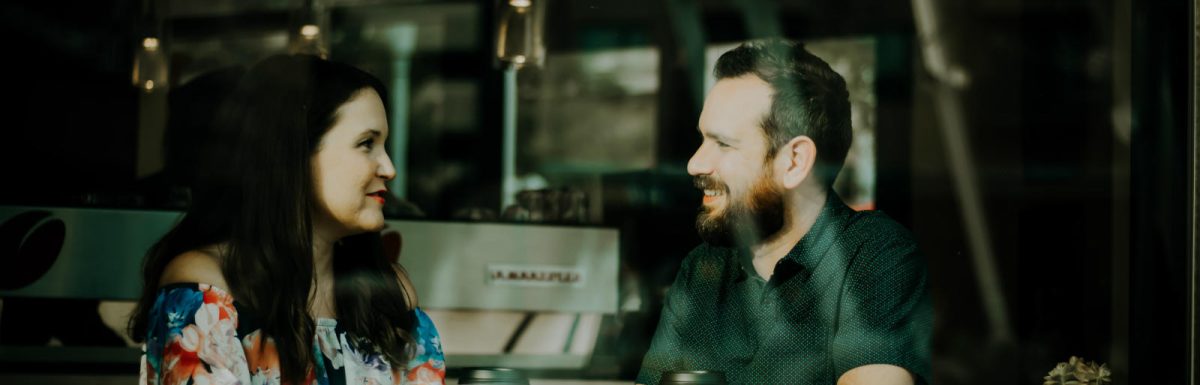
(1077, 372)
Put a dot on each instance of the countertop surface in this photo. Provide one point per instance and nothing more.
(49, 379)
(555, 381)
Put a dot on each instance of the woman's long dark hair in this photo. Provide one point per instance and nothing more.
(254, 192)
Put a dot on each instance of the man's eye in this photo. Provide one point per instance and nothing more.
(722, 144)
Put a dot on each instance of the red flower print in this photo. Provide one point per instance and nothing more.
(426, 373)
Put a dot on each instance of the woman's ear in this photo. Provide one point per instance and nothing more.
(797, 157)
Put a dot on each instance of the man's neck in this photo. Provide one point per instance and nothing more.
(803, 210)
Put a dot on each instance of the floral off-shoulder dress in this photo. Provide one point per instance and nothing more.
(195, 337)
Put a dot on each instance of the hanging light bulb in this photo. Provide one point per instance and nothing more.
(308, 31)
(150, 56)
(519, 32)
(518, 44)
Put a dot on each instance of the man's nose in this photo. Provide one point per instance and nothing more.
(699, 164)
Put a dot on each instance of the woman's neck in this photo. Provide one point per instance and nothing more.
(322, 286)
(322, 256)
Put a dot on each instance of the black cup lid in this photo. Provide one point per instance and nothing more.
(693, 377)
(495, 376)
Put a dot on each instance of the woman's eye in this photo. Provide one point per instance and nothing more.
(367, 144)
(722, 144)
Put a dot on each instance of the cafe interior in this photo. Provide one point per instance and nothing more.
(1043, 154)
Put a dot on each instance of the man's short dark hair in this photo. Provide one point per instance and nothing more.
(809, 98)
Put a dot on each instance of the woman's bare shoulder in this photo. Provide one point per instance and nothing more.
(410, 293)
(201, 265)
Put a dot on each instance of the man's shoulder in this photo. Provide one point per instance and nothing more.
(882, 246)
(707, 260)
(874, 230)
(705, 253)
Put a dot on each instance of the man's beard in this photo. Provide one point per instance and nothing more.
(745, 221)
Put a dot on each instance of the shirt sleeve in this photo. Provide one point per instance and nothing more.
(428, 366)
(668, 346)
(885, 315)
(192, 338)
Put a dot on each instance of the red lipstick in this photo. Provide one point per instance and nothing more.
(378, 196)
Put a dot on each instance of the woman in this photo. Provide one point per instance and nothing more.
(276, 273)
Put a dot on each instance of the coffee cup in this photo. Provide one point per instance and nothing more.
(692, 377)
(493, 376)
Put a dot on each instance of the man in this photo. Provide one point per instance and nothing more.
(790, 286)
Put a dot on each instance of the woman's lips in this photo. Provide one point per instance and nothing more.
(378, 196)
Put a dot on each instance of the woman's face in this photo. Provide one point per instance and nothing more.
(351, 168)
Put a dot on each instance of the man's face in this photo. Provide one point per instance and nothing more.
(743, 202)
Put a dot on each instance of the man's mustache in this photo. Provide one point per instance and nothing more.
(705, 182)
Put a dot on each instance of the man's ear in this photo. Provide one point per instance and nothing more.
(797, 156)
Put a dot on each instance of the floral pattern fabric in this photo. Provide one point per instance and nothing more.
(194, 338)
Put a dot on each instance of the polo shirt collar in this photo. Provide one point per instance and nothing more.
(812, 247)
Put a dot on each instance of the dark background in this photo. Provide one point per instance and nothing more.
(1090, 232)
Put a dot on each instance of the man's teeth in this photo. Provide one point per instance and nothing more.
(711, 193)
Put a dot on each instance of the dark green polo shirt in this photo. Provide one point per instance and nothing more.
(854, 291)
